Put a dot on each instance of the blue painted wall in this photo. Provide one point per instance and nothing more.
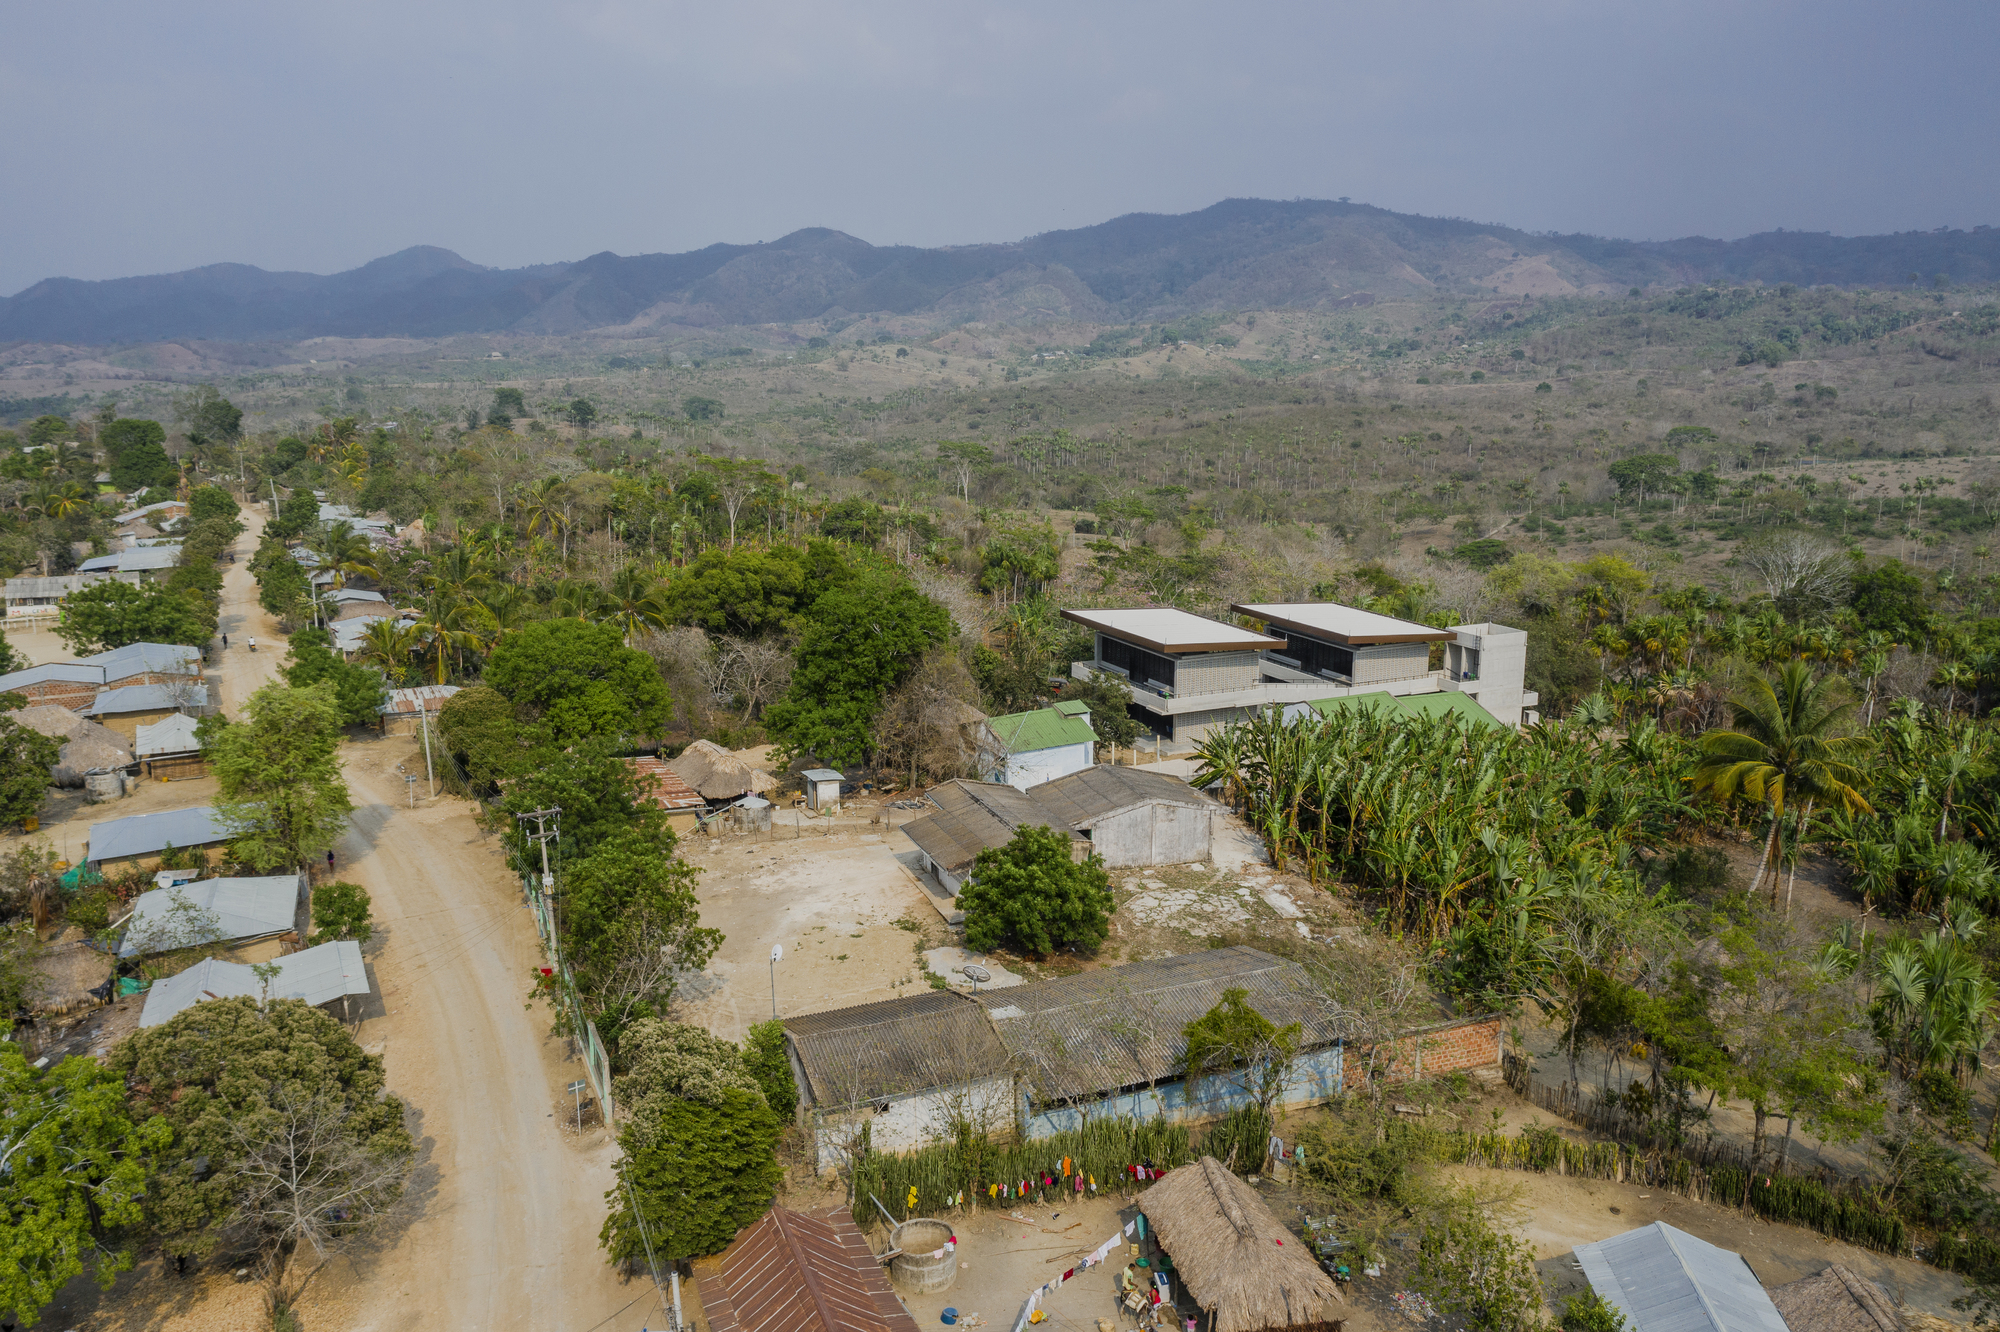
(1314, 1077)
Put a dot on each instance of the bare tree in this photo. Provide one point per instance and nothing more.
(682, 655)
(1803, 573)
(759, 669)
(304, 1186)
(925, 720)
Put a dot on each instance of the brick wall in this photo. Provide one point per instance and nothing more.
(71, 694)
(1430, 1052)
(149, 677)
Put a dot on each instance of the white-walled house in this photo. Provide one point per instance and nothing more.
(1042, 745)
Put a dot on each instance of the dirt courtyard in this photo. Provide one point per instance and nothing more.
(831, 895)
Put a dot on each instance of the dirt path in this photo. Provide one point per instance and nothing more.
(236, 671)
(508, 1200)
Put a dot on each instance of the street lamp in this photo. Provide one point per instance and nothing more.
(777, 956)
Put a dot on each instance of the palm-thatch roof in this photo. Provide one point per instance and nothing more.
(1836, 1300)
(55, 722)
(1234, 1256)
(718, 774)
(62, 977)
(90, 746)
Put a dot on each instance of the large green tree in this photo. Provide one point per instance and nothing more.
(744, 592)
(224, 1076)
(279, 785)
(1031, 894)
(699, 1149)
(74, 1180)
(576, 680)
(25, 759)
(599, 798)
(111, 614)
(860, 641)
(631, 928)
(478, 726)
(138, 455)
(358, 690)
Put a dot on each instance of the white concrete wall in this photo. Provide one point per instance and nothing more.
(919, 1119)
(1391, 661)
(1154, 834)
(1022, 771)
(1215, 672)
(1503, 665)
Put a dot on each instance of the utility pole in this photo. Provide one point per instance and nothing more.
(430, 775)
(548, 828)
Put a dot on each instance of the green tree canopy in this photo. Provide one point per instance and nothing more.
(279, 786)
(358, 690)
(478, 726)
(1235, 1042)
(212, 501)
(217, 1075)
(699, 408)
(599, 798)
(48, 429)
(508, 405)
(1890, 599)
(1032, 894)
(577, 680)
(207, 416)
(25, 759)
(75, 1179)
(699, 1151)
(340, 911)
(745, 592)
(631, 928)
(111, 614)
(138, 455)
(860, 641)
(1646, 473)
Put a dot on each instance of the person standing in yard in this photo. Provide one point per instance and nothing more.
(329, 862)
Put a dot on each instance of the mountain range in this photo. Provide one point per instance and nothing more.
(1238, 254)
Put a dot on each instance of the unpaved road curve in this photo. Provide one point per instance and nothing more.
(508, 1203)
(236, 671)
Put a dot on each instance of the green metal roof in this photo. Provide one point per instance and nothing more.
(1410, 705)
(1072, 707)
(1044, 728)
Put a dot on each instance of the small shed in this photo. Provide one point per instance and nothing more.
(328, 975)
(1836, 1299)
(233, 911)
(402, 711)
(1235, 1260)
(1133, 816)
(799, 1272)
(138, 839)
(167, 749)
(1665, 1280)
(751, 814)
(822, 788)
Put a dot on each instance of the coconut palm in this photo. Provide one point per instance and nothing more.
(636, 603)
(345, 551)
(451, 624)
(1784, 744)
(389, 643)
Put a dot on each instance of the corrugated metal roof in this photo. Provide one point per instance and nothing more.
(665, 785)
(318, 975)
(1165, 629)
(143, 834)
(347, 594)
(146, 557)
(1333, 622)
(405, 701)
(60, 585)
(169, 735)
(150, 698)
(1665, 1280)
(130, 514)
(973, 816)
(145, 658)
(68, 671)
(822, 775)
(242, 908)
(99, 564)
(895, 1047)
(1082, 798)
(349, 635)
(1044, 728)
(799, 1272)
(1117, 1027)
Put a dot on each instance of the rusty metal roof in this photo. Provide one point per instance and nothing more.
(666, 787)
(894, 1047)
(972, 816)
(1117, 1027)
(799, 1272)
(1082, 798)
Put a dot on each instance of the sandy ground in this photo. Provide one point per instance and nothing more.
(830, 895)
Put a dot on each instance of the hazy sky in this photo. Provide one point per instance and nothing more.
(144, 137)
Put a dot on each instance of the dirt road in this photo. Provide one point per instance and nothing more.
(236, 671)
(508, 1200)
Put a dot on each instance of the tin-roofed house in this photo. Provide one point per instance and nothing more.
(799, 1272)
(167, 749)
(30, 597)
(971, 817)
(1663, 1279)
(1133, 816)
(664, 788)
(138, 839)
(403, 710)
(63, 684)
(231, 911)
(1042, 745)
(329, 976)
(903, 1067)
(147, 562)
(822, 788)
(126, 710)
(146, 663)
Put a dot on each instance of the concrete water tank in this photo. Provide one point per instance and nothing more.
(921, 1268)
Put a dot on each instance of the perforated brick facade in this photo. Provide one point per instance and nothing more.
(1429, 1052)
(72, 694)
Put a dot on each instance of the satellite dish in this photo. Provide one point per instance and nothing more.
(976, 974)
(777, 952)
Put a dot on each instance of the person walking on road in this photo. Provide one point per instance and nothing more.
(225, 642)
(329, 861)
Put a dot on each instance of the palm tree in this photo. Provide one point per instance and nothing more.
(636, 603)
(390, 643)
(346, 552)
(547, 510)
(1784, 744)
(452, 625)
(64, 500)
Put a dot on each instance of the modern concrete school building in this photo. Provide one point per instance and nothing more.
(1189, 674)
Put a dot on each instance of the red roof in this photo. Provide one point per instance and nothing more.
(799, 1272)
(669, 790)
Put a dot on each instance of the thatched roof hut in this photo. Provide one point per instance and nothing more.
(57, 723)
(1234, 1256)
(1836, 1300)
(63, 976)
(90, 746)
(718, 774)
